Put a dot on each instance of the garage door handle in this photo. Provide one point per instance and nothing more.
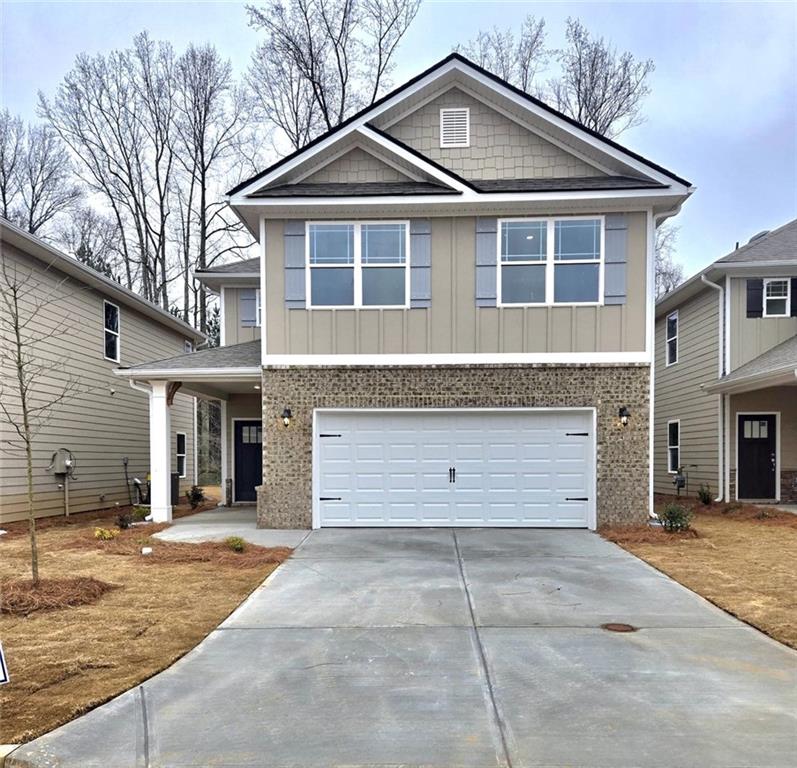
(576, 434)
(328, 434)
(576, 498)
(329, 498)
(452, 474)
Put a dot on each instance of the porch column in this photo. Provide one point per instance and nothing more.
(160, 462)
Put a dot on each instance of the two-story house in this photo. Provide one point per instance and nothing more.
(83, 325)
(726, 375)
(450, 322)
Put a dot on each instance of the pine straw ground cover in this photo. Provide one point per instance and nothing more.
(65, 661)
(741, 557)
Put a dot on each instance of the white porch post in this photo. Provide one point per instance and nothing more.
(160, 463)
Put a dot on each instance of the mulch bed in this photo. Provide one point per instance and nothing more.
(646, 534)
(735, 510)
(23, 596)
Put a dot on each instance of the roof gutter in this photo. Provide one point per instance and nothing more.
(720, 400)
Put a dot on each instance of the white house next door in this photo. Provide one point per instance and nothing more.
(459, 467)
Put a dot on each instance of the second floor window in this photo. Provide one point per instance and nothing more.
(551, 261)
(249, 308)
(777, 298)
(111, 347)
(672, 338)
(358, 265)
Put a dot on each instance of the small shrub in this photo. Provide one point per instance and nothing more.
(140, 513)
(124, 521)
(235, 543)
(195, 496)
(675, 518)
(105, 534)
(704, 494)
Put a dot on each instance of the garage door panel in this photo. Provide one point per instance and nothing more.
(512, 468)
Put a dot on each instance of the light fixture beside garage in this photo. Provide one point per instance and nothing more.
(624, 414)
(287, 416)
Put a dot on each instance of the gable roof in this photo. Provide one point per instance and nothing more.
(497, 82)
(779, 362)
(36, 248)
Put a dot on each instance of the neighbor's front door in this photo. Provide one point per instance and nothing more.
(248, 459)
(757, 456)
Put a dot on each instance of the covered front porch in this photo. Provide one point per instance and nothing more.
(230, 375)
(759, 441)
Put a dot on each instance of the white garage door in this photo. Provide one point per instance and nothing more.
(454, 468)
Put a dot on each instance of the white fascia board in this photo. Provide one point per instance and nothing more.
(500, 358)
(469, 196)
(190, 374)
(783, 377)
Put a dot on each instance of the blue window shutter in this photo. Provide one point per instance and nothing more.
(486, 262)
(294, 236)
(616, 259)
(247, 307)
(420, 263)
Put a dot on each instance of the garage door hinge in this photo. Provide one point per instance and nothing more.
(329, 498)
(576, 434)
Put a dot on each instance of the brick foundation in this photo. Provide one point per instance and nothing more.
(788, 486)
(622, 463)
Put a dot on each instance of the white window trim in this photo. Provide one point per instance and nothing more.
(677, 445)
(183, 455)
(117, 333)
(788, 297)
(455, 145)
(258, 308)
(550, 262)
(357, 265)
(668, 339)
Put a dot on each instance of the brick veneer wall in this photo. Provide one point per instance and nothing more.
(284, 501)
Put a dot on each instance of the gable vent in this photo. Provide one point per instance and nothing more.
(455, 127)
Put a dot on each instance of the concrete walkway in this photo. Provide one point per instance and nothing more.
(466, 649)
(218, 524)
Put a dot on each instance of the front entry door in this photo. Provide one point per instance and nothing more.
(248, 459)
(757, 456)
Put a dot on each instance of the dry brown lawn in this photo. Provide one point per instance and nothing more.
(740, 557)
(63, 662)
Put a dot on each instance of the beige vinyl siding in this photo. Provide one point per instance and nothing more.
(751, 337)
(234, 332)
(781, 400)
(240, 407)
(355, 166)
(678, 394)
(106, 419)
(500, 148)
(453, 323)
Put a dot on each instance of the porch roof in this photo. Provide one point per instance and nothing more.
(778, 366)
(233, 360)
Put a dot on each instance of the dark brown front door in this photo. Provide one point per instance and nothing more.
(757, 456)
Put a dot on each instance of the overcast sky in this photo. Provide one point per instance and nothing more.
(722, 113)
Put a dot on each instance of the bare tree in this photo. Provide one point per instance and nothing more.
(93, 238)
(669, 274)
(37, 181)
(600, 88)
(516, 59)
(337, 54)
(40, 381)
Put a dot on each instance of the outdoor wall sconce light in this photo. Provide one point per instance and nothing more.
(624, 414)
(286, 417)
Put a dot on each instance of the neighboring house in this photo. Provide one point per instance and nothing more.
(726, 375)
(100, 325)
(454, 299)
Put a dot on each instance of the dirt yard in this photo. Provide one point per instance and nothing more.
(743, 558)
(65, 661)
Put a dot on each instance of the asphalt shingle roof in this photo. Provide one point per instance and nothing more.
(575, 184)
(356, 189)
(778, 359)
(235, 267)
(778, 245)
(245, 355)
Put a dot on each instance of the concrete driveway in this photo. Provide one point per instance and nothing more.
(474, 648)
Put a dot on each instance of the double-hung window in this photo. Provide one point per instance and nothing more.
(551, 261)
(358, 264)
(111, 345)
(180, 453)
(671, 340)
(777, 298)
(673, 446)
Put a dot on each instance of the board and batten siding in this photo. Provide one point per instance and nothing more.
(453, 323)
(234, 332)
(106, 419)
(751, 337)
(678, 394)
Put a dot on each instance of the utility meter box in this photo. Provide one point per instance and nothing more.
(63, 463)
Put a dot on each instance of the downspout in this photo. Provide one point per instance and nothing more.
(720, 400)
